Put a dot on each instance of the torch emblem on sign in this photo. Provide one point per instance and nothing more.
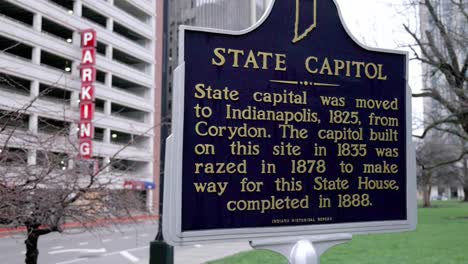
(305, 21)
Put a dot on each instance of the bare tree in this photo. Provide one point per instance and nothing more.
(443, 49)
(435, 165)
(44, 183)
(440, 45)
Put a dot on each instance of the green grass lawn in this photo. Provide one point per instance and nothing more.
(441, 238)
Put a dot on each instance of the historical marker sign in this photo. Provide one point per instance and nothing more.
(290, 128)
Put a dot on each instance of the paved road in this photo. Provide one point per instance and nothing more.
(122, 245)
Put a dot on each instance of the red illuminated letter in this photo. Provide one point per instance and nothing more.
(88, 38)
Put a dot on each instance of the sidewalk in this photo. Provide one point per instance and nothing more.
(203, 253)
(8, 231)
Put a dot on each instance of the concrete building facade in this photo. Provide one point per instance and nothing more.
(39, 60)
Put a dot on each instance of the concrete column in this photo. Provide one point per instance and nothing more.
(107, 135)
(109, 52)
(149, 69)
(34, 89)
(33, 123)
(73, 134)
(107, 108)
(108, 80)
(110, 24)
(73, 130)
(37, 22)
(32, 155)
(75, 69)
(77, 6)
(74, 100)
(107, 161)
(36, 55)
(71, 164)
(76, 39)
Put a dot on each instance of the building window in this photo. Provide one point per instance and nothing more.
(13, 121)
(99, 134)
(14, 84)
(118, 137)
(57, 30)
(129, 86)
(128, 112)
(54, 160)
(129, 34)
(15, 48)
(132, 10)
(99, 105)
(66, 4)
(128, 60)
(101, 76)
(124, 165)
(52, 126)
(55, 61)
(101, 48)
(49, 92)
(16, 13)
(13, 156)
(93, 16)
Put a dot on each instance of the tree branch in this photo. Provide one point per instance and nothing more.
(448, 120)
(443, 32)
(434, 94)
(448, 162)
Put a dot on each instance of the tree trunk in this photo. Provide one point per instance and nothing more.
(427, 188)
(465, 189)
(465, 180)
(32, 252)
(427, 195)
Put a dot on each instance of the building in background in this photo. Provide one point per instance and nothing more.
(219, 14)
(433, 78)
(40, 56)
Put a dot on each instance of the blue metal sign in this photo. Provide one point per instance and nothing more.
(292, 124)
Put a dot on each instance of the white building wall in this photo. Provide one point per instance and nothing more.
(109, 119)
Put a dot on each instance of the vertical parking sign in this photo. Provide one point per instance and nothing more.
(88, 77)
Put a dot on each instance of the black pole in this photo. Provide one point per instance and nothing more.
(160, 251)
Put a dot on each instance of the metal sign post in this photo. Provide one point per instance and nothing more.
(304, 250)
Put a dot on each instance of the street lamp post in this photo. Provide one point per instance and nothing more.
(160, 251)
